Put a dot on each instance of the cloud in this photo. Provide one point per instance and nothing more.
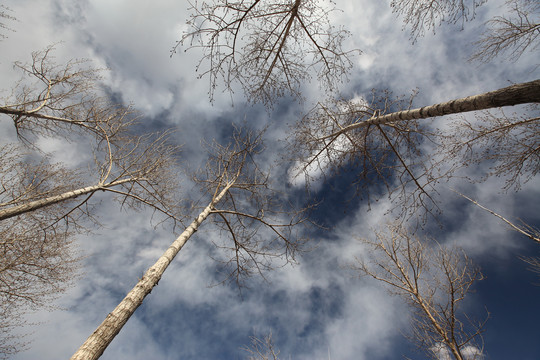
(472, 353)
(312, 308)
(468, 352)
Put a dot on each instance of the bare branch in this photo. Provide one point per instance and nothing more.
(524, 229)
(422, 15)
(433, 281)
(512, 34)
(262, 349)
(56, 100)
(270, 47)
(507, 143)
(389, 155)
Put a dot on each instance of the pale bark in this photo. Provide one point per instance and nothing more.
(38, 115)
(522, 93)
(38, 204)
(96, 343)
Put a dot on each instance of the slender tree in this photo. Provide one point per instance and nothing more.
(43, 204)
(243, 205)
(433, 280)
(386, 145)
(136, 169)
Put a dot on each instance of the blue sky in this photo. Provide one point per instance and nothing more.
(316, 307)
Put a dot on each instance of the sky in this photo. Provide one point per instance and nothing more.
(317, 308)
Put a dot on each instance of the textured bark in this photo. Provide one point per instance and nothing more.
(37, 204)
(38, 115)
(96, 343)
(523, 93)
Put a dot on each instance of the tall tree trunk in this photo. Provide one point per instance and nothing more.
(96, 343)
(37, 204)
(38, 115)
(523, 93)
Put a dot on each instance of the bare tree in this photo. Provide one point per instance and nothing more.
(138, 169)
(61, 100)
(422, 15)
(244, 206)
(268, 46)
(262, 349)
(433, 280)
(388, 145)
(37, 265)
(380, 153)
(512, 34)
(37, 260)
(44, 204)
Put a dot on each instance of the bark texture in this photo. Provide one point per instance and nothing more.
(96, 343)
(522, 93)
(38, 204)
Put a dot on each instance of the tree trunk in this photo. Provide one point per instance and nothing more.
(96, 343)
(37, 204)
(523, 93)
(38, 115)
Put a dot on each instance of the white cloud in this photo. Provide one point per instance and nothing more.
(133, 39)
(472, 353)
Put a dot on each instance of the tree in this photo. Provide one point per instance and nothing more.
(262, 349)
(421, 14)
(244, 206)
(386, 144)
(512, 34)
(55, 100)
(44, 204)
(269, 47)
(138, 169)
(37, 265)
(37, 260)
(433, 280)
